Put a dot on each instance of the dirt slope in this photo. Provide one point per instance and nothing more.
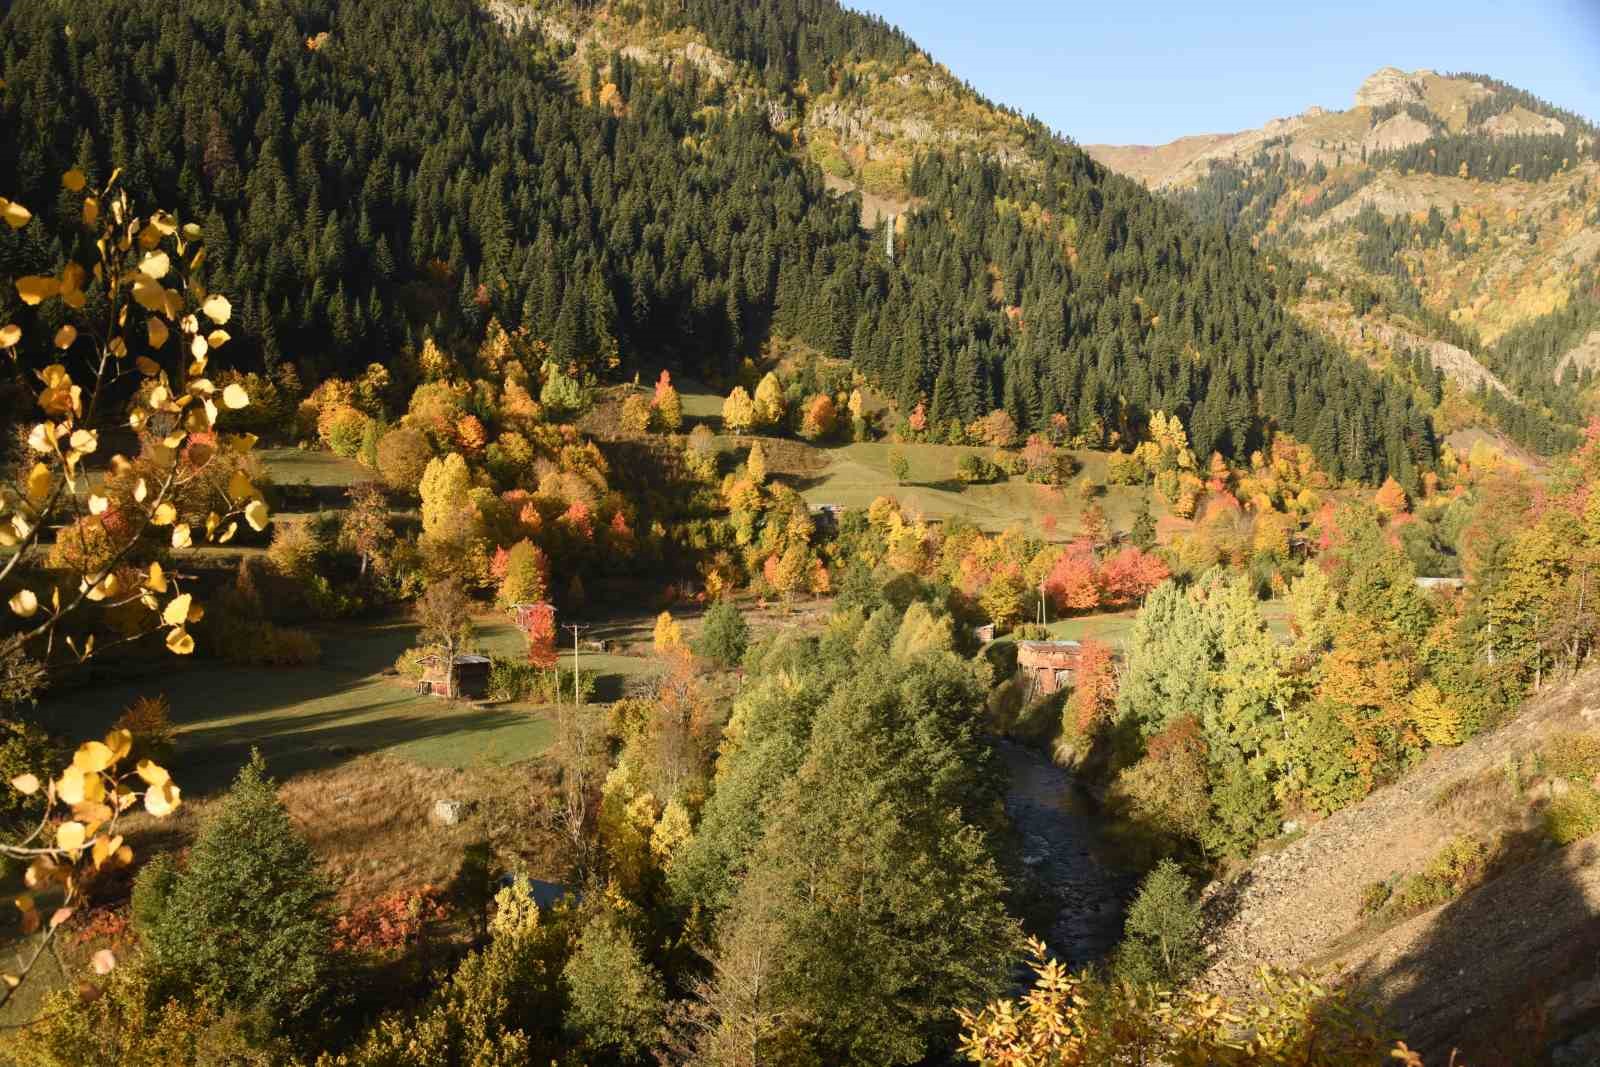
(1516, 960)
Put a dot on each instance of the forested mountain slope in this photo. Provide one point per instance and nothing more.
(374, 174)
(1451, 217)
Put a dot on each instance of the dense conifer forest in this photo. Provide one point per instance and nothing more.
(369, 196)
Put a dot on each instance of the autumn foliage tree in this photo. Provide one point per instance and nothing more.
(153, 323)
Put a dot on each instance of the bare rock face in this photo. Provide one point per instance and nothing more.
(1390, 85)
(1397, 131)
(448, 812)
(1519, 121)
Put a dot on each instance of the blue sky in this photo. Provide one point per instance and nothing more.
(1131, 72)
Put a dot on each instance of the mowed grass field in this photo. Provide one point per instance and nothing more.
(311, 718)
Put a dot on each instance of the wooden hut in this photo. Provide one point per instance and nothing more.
(1047, 666)
(469, 680)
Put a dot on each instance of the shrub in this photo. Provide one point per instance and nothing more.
(1374, 896)
(617, 1002)
(245, 923)
(974, 469)
(24, 749)
(296, 548)
(403, 455)
(527, 576)
(149, 720)
(635, 414)
(724, 636)
(1573, 815)
(1575, 756)
(1161, 938)
(345, 430)
(1455, 868)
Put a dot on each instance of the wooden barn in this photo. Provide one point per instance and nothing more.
(468, 681)
(1046, 666)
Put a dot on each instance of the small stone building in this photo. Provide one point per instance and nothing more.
(468, 681)
(1046, 666)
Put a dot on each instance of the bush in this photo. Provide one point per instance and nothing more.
(1455, 868)
(616, 1000)
(149, 720)
(245, 923)
(1573, 815)
(346, 428)
(24, 749)
(1161, 939)
(403, 455)
(724, 636)
(974, 469)
(527, 576)
(1374, 895)
(1575, 756)
(296, 548)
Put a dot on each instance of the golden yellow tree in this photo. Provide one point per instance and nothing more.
(152, 320)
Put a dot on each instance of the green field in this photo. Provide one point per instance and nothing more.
(293, 466)
(311, 718)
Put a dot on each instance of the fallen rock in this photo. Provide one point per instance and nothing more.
(449, 812)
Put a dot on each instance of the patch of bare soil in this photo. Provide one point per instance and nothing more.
(1507, 966)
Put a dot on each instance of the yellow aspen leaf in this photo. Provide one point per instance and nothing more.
(177, 610)
(157, 582)
(61, 915)
(42, 438)
(11, 980)
(152, 773)
(179, 641)
(239, 487)
(147, 366)
(234, 397)
(74, 180)
(92, 757)
(15, 214)
(255, 513)
(91, 210)
(158, 334)
(120, 742)
(105, 848)
(35, 288)
(140, 491)
(162, 800)
(244, 442)
(148, 294)
(180, 536)
(24, 603)
(85, 441)
(198, 347)
(155, 265)
(98, 504)
(69, 835)
(26, 784)
(217, 309)
(164, 224)
(165, 514)
(66, 335)
(125, 853)
(104, 962)
(10, 334)
(218, 338)
(38, 485)
(227, 533)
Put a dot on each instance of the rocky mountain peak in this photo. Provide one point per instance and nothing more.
(1390, 85)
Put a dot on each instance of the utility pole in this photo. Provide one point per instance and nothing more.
(577, 692)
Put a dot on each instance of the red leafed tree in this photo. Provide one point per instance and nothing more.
(499, 562)
(540, 628)
(1071, 584)
(579, 520)
(1094, 687)
(919, 418)
(1129, 575)
(663, 384)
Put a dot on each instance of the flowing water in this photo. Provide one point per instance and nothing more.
(1083, 891)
